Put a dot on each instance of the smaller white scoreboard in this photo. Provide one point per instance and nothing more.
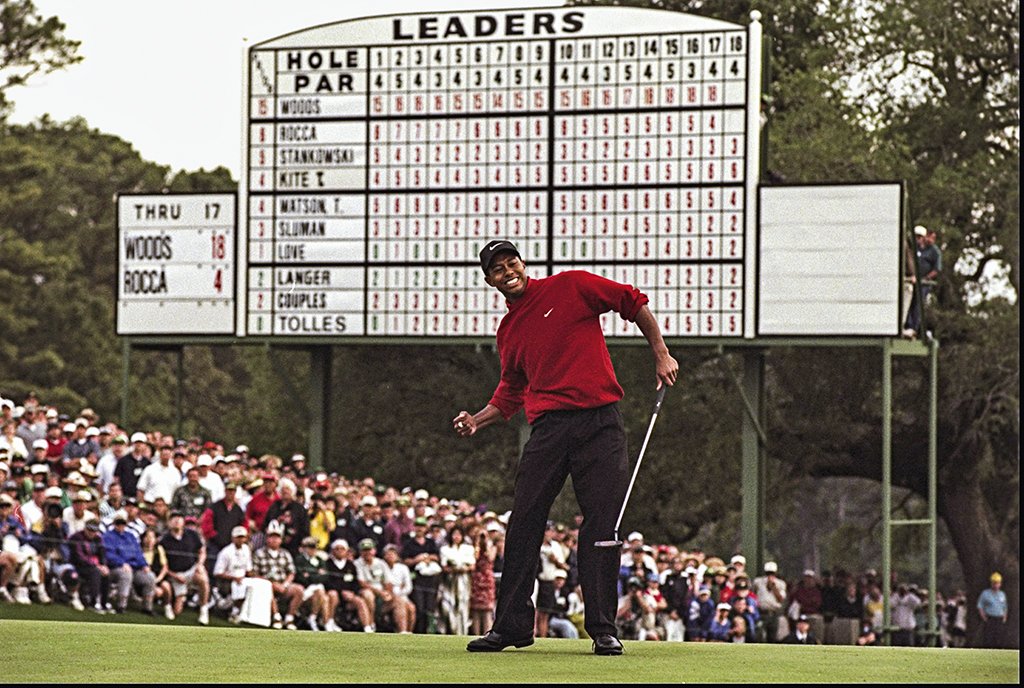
(176, 264)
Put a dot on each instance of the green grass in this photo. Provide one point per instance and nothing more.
(96, 650)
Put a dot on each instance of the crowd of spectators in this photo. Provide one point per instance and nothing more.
(98, 518)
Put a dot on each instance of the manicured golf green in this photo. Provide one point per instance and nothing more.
(82, 652)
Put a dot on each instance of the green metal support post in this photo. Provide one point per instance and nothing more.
(320, 406)
(886, 486)
(180, 392)
(126, 366)
(933, 487)
(753, 470)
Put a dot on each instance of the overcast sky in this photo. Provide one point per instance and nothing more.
(166, 76)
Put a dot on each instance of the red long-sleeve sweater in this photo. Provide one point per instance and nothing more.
(553, 352)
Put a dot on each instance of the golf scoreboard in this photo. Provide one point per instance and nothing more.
(176, 264)
(383, 153)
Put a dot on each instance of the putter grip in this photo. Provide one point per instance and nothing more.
(660, 398)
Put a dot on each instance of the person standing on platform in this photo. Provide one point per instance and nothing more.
(570, 395)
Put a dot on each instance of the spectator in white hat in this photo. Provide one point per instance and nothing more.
(80, 445)
(159, 479)
(771, 592)
(39, 448)
(32, 425)
(10, 441)
(130, 467)
(234, 565)
(78, 514)
(634, 540)
(128, 566)
(191, 499)
(108, 462)
(275, 563)
(32, 510)
(209, 478)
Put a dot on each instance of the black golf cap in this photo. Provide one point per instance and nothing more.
(492, 248)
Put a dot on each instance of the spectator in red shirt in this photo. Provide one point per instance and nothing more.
(260, 504)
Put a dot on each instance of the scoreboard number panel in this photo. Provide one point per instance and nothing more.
(382, 153)
(176, 264)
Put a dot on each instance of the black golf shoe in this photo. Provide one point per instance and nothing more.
(607, 644)
(495, 642)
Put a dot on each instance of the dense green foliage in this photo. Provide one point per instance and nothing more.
(924, 91)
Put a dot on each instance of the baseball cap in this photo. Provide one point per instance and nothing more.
(69, 427)
(92, 524)
(275, 528)
(996, 577)
(421, 521)
(120, 516)
(340, 542)
(298, 457)
(723, 606)
(635, 535)
(492, 248)
(40, 444)
(7, 499)
(82, 496)
(738, 559)
(802, 617)
(367, 543)
(92, 432)
(309, 541)
(139, 437)
(704, 590)
(239, 531)
(421, 494)
(368, 500)
(809, 572)
(920, 230)
(53, 493)
(561, 573)
(4, 467)
(204, 460)
(241, 449)
(771, 567)
(39, 468)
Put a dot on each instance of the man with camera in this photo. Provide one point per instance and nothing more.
(636, 614)
(49, 537)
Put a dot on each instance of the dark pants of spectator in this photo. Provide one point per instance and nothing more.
(917, 308)
(903, 638)
(424, 596)
(212, 550)
(92, 585)
(589, 445)
(771, 626)
(992, 633)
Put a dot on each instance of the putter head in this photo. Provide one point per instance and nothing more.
(608, 543)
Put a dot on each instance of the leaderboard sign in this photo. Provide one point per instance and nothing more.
(176, 264)
(383, 153)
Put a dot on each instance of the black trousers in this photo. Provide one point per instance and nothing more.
(589, 445)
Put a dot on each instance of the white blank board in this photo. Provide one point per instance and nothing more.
(829, 260)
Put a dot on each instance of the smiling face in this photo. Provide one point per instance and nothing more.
(507, 274)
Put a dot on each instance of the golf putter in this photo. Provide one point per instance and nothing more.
(616, 542)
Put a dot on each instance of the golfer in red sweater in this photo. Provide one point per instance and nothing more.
(554, 362)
